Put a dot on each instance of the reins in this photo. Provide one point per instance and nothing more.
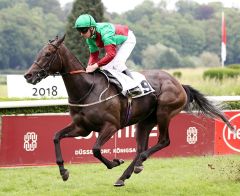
(44, 72)
(77, 72)
(96, 102)
(90, 89)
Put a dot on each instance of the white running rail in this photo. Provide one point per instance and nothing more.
(57, 102)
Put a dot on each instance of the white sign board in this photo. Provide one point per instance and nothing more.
(50, 87)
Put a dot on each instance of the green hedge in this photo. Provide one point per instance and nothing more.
(177, 74)
(235, 105)
(64, 109)
(221, 73)
(34, 110)
(234, 66)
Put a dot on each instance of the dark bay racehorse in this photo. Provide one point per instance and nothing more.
(108, 114)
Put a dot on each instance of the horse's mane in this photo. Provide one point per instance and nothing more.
(80, 63)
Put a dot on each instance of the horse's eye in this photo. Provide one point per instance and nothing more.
(48, 54)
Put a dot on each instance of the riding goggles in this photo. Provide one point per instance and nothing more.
(83, 29)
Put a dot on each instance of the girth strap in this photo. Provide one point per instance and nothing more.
(129, 109)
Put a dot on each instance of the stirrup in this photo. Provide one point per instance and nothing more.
(134, 91)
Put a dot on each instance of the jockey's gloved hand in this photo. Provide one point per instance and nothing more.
(91, 68)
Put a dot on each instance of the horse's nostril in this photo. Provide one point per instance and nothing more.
(27, 76)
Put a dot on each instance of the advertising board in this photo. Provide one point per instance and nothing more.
(227, 141)
(28, 140)
(50, 87)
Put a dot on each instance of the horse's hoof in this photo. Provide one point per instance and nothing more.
(119, 161)
(138, 169)
(65, 175)
(119, 183)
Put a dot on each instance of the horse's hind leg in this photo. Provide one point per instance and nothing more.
(164, 116)
(142, 135)
(69, 131)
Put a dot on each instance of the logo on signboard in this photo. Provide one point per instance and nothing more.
(30, 141)
(192, 133)
(232, 139)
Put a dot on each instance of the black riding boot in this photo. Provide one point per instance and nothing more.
(134, 91)
(128, 73)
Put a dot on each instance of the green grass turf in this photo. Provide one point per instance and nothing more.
(210, 175)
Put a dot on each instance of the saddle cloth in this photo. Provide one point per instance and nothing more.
(128, 83)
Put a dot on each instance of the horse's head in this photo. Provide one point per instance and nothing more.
(48, 62)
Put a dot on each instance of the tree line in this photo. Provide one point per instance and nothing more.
(188, 36)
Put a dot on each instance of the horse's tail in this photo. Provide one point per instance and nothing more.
(201, 104)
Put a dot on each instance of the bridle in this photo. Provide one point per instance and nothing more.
(44, 70)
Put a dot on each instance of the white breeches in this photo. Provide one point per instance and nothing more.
(123, 52)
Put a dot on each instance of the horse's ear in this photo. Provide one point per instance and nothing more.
(63, 37)
(59, 41)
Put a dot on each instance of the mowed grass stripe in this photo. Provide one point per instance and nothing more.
(210, 175)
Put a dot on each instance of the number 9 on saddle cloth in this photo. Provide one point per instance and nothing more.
(136, 87)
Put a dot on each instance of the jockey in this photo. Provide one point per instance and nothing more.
(117, 40)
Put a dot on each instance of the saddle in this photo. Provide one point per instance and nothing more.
(135, 88)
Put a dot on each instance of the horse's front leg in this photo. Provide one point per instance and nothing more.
(69, 131)
(104, 135)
